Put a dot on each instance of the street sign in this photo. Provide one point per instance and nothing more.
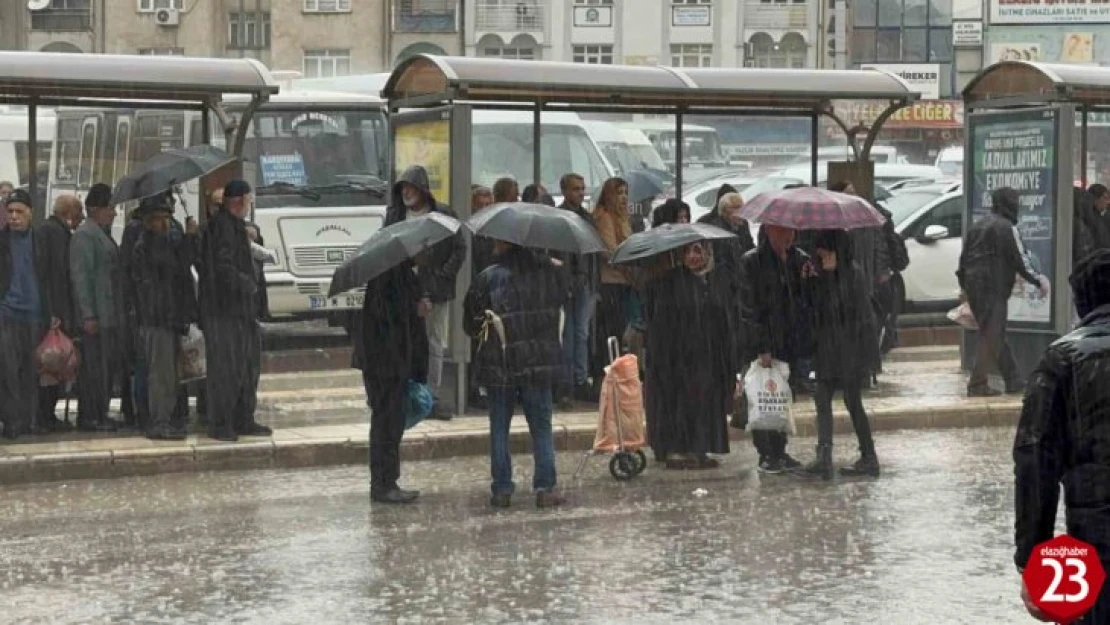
(967, 34)
(1064, 577)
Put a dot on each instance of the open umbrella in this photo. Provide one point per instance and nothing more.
(389, 247)
(812, 208)
(168, 169)
(666, 238)
(537, 226)
(643, 185)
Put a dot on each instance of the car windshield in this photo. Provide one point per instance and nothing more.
(620, 156)
(322, 150)
(903, 205)
(505, 150)
(647, 155)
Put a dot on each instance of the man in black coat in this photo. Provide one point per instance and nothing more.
(412, 197)
(585, 279)
(24, 315)
(393, 332)
(55, 234)
(1062, 436)
(513, 307)
(989, 264)
(229, 317)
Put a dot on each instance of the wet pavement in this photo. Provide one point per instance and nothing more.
(929, 542)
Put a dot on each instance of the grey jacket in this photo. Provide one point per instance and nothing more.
(94, 267)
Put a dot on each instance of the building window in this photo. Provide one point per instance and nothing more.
(62, 16)
(327, 6)
(595, 2)
(244, 32)
(502, 16)
(595, 55)
(691, 1)
(149, 6)
(162, 51)
(522, 47)
(790, 52)
(425, 16)
(902, 31)
(692, 55)
(326, 63)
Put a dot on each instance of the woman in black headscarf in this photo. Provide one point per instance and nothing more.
(673, 211)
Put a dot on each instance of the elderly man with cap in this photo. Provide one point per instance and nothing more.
(55, 235)
(24, 314)
(97, 286)
(229, 315)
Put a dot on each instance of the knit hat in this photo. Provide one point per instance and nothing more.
(236, 188)
(100, 195)
(21, 196)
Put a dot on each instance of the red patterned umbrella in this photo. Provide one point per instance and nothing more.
(811, 208)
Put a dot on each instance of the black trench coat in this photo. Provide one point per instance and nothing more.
(691, 368)
(845, 335)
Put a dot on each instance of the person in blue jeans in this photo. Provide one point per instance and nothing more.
(513, 310)
(582, 301)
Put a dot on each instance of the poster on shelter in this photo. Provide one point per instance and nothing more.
(426, 143)
(1018, 150)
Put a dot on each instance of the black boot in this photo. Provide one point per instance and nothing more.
(822, 466)
(866, 466)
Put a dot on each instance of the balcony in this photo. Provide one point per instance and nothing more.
(775, 16)
(511, 16)
(426, 16)
(61, 20)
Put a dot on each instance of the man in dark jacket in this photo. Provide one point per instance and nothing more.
(164, 306)
(513, 307)
(229, 317)
(55, 234)
(728, 252)
(776, 321)
(582, 302)
(989, 263)
(412, 197)
(24, 314)
(1062, 436)
(393, 331)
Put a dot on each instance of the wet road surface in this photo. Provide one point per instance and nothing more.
(929, 542)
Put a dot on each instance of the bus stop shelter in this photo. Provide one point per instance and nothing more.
(1027, 128)
(431, 99)
(36, 79)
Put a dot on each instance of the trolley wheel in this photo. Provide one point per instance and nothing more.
(622, 466)
(641, 461)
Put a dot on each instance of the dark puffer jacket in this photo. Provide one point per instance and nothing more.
(437, 277)
(1063, 436)
(990, 260)
(162, 287)
(527, 295)
(774, 304)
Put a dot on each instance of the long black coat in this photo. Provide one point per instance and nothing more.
(53, 239)
(528, 294)
(162, 286)
(845, 332)
(990, 260)
(228, 285)
(774, 305)
(691, 369)
(392, 338)
(727, 254)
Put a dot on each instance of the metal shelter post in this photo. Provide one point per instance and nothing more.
(678, 145)
(1083, 147)
(537, 138)
(33, 155)
(813, 148)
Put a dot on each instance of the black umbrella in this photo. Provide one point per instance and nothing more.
(389, 247)
(643, 185)
(164, 171)
(666, 238)
(537, 226)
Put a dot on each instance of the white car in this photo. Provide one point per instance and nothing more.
(930, 220)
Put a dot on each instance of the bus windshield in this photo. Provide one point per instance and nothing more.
(699, 146)
(304, 149)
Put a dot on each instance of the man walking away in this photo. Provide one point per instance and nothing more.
(585, 278)
(54, 236)
(95, 269)
(513, 307)
(989, 262)
(24, 311)
(229, 316)
(1062, 436)
(412, 197)
(164, 306)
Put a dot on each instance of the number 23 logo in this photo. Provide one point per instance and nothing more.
(1052, 594)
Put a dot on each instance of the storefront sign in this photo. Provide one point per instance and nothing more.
(1018, 150)
(593, 17)
(1049, 12)
(922, 78)
(921, 114)
(690, 16)
(967, 34)
(426, 143)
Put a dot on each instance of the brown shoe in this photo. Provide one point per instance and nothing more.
(549, 499)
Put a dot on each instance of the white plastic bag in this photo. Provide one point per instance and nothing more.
(191, 362)
(770, 398)
(962, 315)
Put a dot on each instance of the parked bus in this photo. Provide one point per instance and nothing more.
(14, 143)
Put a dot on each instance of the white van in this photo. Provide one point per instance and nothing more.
(951, 160)
(610, 138)
(642, 149)
(885, 154)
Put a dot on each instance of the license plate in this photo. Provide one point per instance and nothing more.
(339, 302)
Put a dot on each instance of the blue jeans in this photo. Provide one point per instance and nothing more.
(576, 334)
(537, 409)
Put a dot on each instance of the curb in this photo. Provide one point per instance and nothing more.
(435, 445)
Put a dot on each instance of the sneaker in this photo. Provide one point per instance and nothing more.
(770, 466)
(867, 466)
(549, 499)
(789, 463)
(501, 501)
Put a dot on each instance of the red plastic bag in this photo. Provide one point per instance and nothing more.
(56, 358)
